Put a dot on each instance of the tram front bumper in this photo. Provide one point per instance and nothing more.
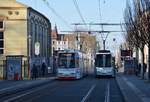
(101, 71)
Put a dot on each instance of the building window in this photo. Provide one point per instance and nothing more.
(1, 24)
(53, 42)
(1, 35)
(1, 51)
(10, 12)
(1, 42)
(17, 12)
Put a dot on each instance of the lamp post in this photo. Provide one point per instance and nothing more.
(29, 54)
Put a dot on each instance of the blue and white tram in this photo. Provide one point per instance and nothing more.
(103, 64)
(70, 64)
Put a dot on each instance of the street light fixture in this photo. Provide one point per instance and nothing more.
(29, 54)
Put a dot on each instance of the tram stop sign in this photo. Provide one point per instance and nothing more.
(37, 48)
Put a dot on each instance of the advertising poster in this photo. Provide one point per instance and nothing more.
(26, 71)
(14, 68)
(1, 71)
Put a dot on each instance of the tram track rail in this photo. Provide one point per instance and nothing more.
(4, 94)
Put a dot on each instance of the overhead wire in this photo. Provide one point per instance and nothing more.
(100, 17)
(60, 17)
(79, 12)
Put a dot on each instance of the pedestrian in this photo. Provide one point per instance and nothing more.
(139, 68)
(34, 72)
(144, 69)
(43, 69)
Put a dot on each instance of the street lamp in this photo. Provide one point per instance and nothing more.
(29, 54)
(29, 37)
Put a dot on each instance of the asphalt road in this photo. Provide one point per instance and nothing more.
(88, 89)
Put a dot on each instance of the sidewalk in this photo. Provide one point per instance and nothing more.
(133, 88)
(11, 86)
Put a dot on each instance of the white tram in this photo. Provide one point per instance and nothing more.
(103, 64)
(71, 64)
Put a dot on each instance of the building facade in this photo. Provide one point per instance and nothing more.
(25, 35)
(54, 36)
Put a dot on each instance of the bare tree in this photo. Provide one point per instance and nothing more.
(136, 18)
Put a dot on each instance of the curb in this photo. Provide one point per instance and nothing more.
(127, 92)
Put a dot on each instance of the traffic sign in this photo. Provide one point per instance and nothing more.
(37, 48)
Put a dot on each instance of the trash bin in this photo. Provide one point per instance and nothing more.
(16, 76)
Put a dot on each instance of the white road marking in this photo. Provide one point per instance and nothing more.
(107, 96)
(15, 86)
(27, 93)
(22, 84)
(11, 99)
(143, 97)
(89, 92)
(10, 87)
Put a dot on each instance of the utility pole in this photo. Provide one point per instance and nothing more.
(77, 37)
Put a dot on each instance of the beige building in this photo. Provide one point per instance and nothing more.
(24, 34)
(54, 36)
(85, 41)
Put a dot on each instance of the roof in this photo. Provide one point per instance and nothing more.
(39, 13)
(11, 4)
(54, 33)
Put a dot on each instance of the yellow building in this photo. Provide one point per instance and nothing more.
(24, 34)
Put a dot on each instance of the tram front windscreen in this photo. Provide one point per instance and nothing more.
(103, 60)
(66, 60)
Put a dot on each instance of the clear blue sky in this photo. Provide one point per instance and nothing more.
(111, 11)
